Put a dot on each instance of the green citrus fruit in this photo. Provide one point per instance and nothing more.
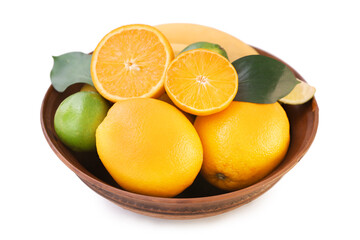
(301, 93)
(206, 45)
(77, 119)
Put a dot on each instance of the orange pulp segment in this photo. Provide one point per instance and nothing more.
(201, 82)
(130, 62)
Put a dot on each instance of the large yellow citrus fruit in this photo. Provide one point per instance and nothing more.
(166, 99)
(181, 35)
(149, 147)
(243, 143)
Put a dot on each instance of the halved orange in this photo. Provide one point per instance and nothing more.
(201, 82)
(130, 62)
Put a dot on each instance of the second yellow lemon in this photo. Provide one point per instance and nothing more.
(243, 143)
(149, 147)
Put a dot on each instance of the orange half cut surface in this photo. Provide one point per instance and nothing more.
(130, 62)
(201, 82)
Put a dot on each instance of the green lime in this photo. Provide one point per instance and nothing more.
(206, 45)
(300, 94)
(77, 119)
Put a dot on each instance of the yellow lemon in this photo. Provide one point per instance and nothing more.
(166, 99)
(243, 143)
(149, 147)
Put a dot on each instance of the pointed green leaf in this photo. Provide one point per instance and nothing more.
(263, 79)
(70, 68)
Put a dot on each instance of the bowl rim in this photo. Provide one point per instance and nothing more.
(268, 180)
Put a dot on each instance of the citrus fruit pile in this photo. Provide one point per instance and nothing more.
(167, 106)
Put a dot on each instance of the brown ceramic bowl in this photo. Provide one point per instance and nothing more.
(200, 199)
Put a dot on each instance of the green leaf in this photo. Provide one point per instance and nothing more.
(70, 68)
(263, 79)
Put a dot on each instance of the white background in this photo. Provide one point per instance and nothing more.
(319, 198)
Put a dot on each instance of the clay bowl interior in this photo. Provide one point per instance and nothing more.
(200, 199)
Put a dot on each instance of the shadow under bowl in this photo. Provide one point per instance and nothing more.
(200, 199)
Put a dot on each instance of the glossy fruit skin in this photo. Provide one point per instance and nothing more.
(149, 147)
(243, 143)
(77, 118)
(167, 99)
(209, 46)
